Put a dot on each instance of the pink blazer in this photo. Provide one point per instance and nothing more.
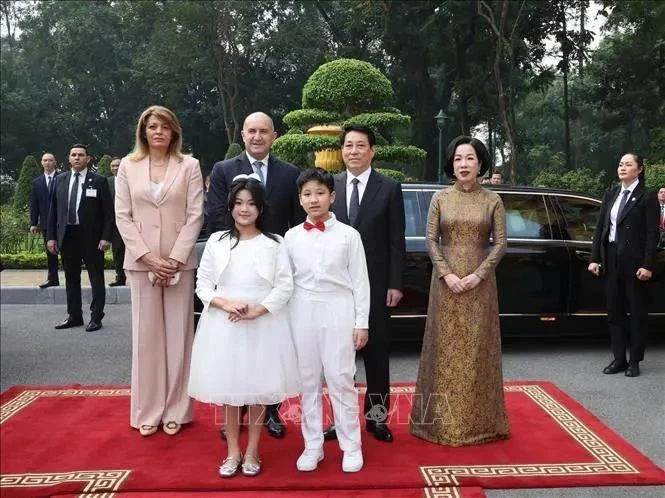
(167, 225)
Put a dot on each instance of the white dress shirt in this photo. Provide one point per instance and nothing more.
(79, 193)
(47, 176)
(331, 261)
(264, 165)
(363, 178)
(615, 208)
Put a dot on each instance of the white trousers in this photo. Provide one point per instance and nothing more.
(322, 328)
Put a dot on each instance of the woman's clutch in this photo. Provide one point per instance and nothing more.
(174, 279)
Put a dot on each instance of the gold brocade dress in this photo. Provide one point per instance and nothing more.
(459, 394)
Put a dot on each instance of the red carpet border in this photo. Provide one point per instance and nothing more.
(75, 440)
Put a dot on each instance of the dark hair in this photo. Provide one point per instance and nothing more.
(258, 193)
(50, 154)
(80, 146)
(318, 175)
(478, 146)
(116, 158)
(366, 130)
(640, 162)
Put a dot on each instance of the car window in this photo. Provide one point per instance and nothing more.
(526, 217)
(411, 214)
(581, 217)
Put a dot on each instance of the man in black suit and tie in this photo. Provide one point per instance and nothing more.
(372, 203)
(282, 210)
(40, 200)
(624, 247)
(116, 241)
(79, 226)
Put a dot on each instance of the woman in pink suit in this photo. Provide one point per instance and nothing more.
(159, 213)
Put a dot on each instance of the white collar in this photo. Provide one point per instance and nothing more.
(252, 160)
(630, 187)
(362, 177)
(82, 173)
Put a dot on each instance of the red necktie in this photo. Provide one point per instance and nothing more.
(319, 224)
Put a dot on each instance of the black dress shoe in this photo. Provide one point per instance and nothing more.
(330, 434)
(93, 325)
(274, 424)
(380, 430)
(70, 322)
(117, 283)
(49, 284)
(615, 367)
(633, 370)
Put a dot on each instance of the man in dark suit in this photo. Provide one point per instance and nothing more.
(661, 222)
(116, 241)
(282, 210)
(79, 226)
(372, 203)
(40, 200)
(624, 247)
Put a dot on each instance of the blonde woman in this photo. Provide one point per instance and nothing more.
(159, 213)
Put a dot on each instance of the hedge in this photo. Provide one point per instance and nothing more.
(304, 119)
(37, 261)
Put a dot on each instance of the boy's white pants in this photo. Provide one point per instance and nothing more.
(322, 327)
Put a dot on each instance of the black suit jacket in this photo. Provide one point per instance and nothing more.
(95, 213)
(283, 207)
(381, 226)
(636, 231)
(40, 201)
(115, 235)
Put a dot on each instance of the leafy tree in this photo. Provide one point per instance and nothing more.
(234, 149)
(104, 165)
(7, 189)
(29, 171)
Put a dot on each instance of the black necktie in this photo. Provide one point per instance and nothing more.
(71, 210)
(49, 185)
(354, 205)
(622, 204)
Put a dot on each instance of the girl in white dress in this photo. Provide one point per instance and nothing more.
(244, 281)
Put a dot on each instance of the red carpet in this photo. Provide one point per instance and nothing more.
(60, 441)
(448, 492)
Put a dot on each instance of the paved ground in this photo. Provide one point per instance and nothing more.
(32, 352)
(21, 278)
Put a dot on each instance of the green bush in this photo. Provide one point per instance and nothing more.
(29, 171)
(400, 154)
(233, 150)
(294, 148)
(346, 86)
(306, 118)
(7, 189)
(394, 174)
(581, 180)
(104, 165)
(14, 231)
(37, 261)
(655, 176)
(379, 121)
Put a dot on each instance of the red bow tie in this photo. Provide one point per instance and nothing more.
(319, 224)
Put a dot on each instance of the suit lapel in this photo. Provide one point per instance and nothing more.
(89, 183)
(341, 211)
(172, 170)
(633, 199)
(374, 184)
(613, 196)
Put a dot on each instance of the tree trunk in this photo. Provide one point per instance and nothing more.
(565, 48)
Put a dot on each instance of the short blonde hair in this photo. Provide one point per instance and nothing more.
(141, 148)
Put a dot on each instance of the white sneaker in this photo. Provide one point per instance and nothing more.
(352, 461)
(309, 460)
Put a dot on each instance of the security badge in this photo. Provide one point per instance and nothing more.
(90, 191)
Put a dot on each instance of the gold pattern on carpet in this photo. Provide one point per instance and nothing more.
(606, 459)
(99, 483)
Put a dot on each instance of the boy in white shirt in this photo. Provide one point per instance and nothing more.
(329, 313)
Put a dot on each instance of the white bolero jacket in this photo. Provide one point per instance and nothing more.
(272, 264)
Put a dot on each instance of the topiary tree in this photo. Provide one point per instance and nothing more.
(347, 92)
(29, 171)
(104, 165)
(233, 150)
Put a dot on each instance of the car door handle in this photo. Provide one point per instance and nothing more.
(585, 255)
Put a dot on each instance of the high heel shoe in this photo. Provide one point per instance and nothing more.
(147, 430)
(172, 428)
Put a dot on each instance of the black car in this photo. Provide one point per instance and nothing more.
(543, 283)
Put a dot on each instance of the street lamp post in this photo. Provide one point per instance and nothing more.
(441, 123)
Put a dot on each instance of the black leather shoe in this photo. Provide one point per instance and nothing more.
(93, 325)
(117, 283)
(49, 284)
(330, 434)
(615, 367)
(380, 431)
(274, 424)
(633, 370)
(70, 322)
